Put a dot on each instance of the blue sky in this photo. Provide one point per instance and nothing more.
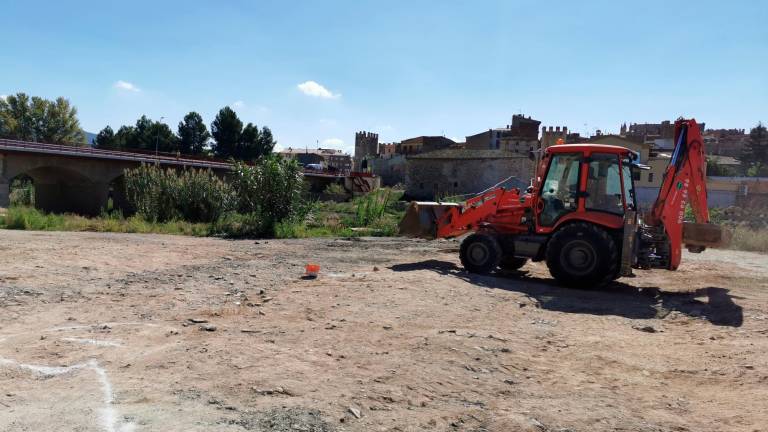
(400, 68)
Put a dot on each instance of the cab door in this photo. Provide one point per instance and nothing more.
(605, 191)
(560, 189)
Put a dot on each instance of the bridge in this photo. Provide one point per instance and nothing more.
(79, 179)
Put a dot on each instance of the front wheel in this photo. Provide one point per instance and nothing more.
(480, 253)
(582, 255)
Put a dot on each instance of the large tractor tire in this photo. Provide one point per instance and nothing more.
(582, 255)
(512, 263)
(480, 253)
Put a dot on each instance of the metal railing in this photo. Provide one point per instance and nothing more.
(89, 152)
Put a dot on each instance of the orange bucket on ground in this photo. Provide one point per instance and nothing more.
(311, 270)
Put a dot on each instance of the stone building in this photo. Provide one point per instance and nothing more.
(424, 144)
(391, 169)
(725, 142)
(648, 132)
(521, 136)
(449, 172)
(366, 147)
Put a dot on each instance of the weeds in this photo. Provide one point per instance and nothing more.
(371, 207)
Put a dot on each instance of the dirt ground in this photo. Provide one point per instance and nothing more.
(118, 333)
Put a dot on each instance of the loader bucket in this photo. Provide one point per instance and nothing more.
(697, 236)
(421, 217)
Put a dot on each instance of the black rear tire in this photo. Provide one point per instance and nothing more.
(480, 253)
(582, 255)
(512, 263)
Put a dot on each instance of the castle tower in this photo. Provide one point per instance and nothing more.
(550, 136)
(366, 147)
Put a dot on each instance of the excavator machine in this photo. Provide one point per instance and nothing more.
(580, 215)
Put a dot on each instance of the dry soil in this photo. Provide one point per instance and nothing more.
(106, 332)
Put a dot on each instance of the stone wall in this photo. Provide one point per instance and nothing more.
(391, 170)
(430, 179)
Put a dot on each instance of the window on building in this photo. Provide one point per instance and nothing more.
(650, 177)
(636, 174)
(455, 184)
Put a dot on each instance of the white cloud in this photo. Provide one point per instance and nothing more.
(125, 85)
(238, 104)
(333, 142)
(314, 89)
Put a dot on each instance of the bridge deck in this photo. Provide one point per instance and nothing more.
(92, 153)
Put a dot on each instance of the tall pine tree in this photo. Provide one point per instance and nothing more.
(193, 135)
(227, 130)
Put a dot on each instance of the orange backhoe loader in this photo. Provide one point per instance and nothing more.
(580, 215)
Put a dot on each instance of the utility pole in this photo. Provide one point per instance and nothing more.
(157, 138)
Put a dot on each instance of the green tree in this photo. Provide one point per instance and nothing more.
(193, 135)
(755, 154)
(266, 142)
(147, 135)
(227, 130)
(715, 169)
(38, 119)
(125, 137)
(17, 117)
(106, 139)
(248, 148)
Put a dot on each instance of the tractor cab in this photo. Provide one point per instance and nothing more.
(584, 181)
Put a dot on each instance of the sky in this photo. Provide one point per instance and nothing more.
(316, 72)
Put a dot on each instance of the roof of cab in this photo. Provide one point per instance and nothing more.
(587, 148)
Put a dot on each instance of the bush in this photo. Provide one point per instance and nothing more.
(271, 190)
(22, 192)
(164, 195)
(371, 207)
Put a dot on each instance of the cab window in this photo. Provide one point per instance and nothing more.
(560, 190)
(604, 184)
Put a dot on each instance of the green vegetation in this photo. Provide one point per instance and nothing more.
(22, 191)
(36, 119)
(27, 218)
(162, 195)
(715, 169)
(308, 219)
(232, 139)
(755, 156)
(748, 227)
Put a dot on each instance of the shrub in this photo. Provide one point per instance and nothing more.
(22, 192)
(272, 190)
(371, 207)
(163, 195)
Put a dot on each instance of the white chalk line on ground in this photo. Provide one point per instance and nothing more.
(77, 327)
(108, 416)
(97, 342)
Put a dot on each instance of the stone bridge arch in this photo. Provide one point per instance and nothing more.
(63, 185)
